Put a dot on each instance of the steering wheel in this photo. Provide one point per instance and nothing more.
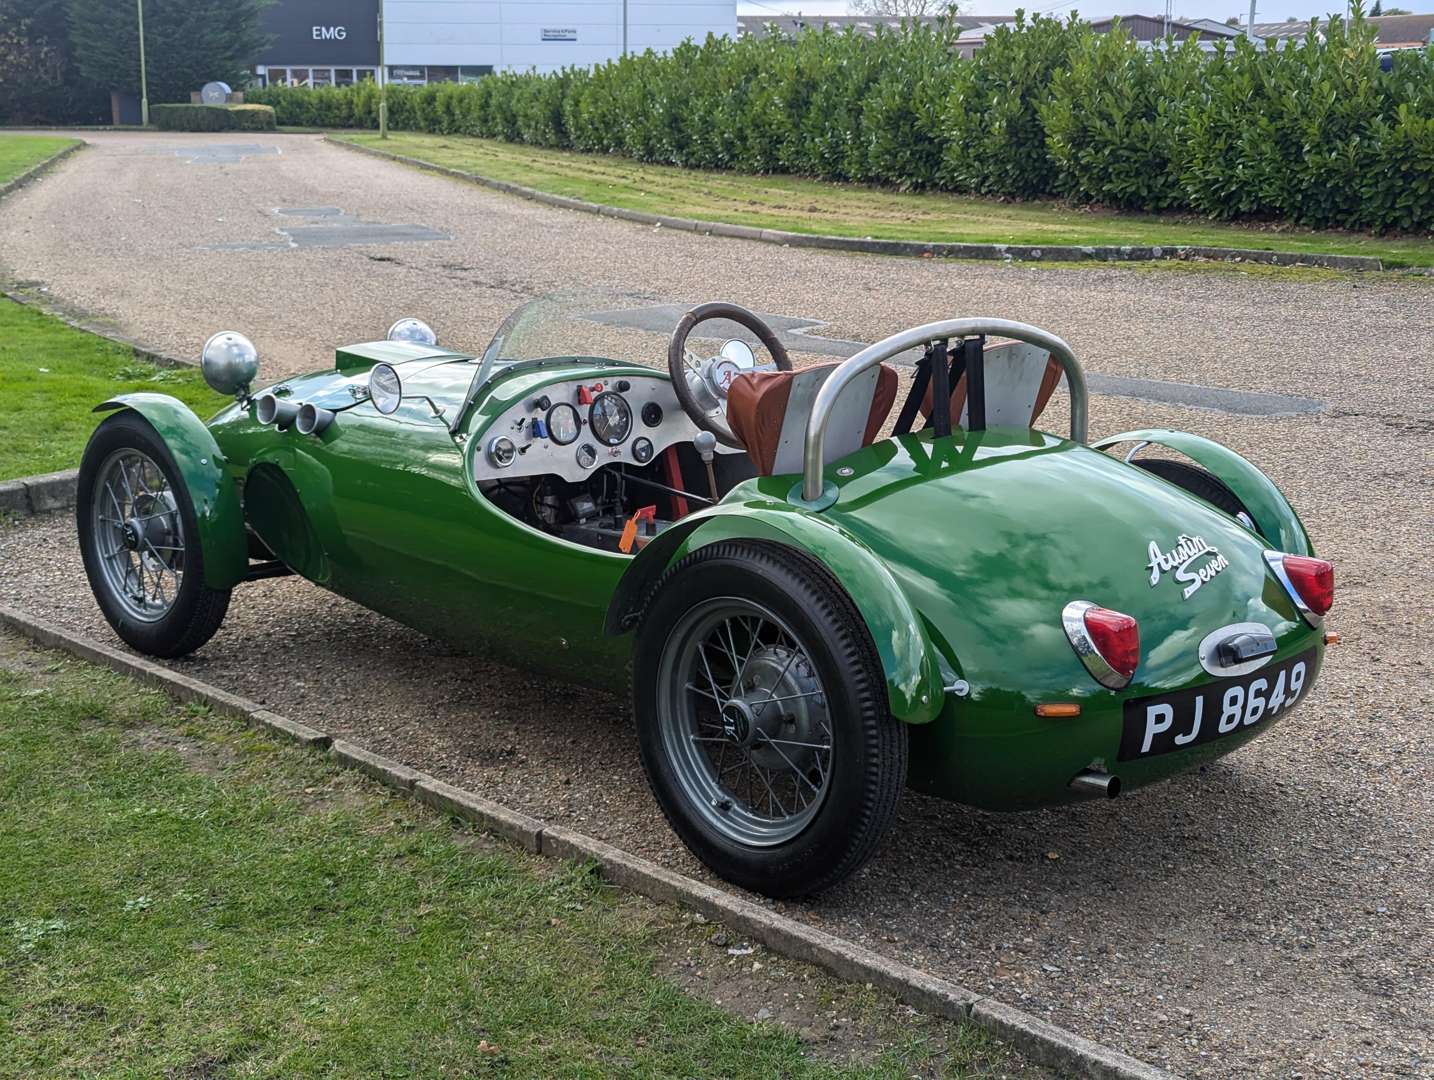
(701, 385)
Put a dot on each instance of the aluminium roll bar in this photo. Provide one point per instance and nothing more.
(812, 463)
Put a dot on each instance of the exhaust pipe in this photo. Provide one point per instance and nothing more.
(1096, 784)
(269, 409)
(313, 420)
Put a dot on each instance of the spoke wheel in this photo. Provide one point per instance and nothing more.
(139, 535)
(745, 719)
(762, 718)
(141, 543)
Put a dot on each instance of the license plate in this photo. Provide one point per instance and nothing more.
(1186, 718)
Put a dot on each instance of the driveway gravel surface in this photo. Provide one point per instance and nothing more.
(1269, 915)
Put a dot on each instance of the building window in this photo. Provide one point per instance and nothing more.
(319, 76)
(413, 76)
(442, 74)
(473, 74)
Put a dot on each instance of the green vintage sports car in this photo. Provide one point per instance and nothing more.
(810, 614)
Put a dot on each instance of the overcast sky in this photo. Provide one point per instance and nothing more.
(1265, 10)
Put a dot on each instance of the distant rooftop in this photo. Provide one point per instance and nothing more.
(1393, 30)
(788, 25)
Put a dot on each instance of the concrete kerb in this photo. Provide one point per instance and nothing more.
(36, 171)
(38, 494)
(1038, 1039)
(916, 248)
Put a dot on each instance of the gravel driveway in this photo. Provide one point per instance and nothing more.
(1270, 915)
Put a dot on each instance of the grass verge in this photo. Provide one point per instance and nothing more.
(51, 378)
(19, 153)
(186, 897)
(811, 206)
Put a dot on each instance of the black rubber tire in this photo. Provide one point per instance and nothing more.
(1199, 482)
(869, 745)
(198, 610)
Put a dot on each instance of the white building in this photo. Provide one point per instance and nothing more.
(326, 42)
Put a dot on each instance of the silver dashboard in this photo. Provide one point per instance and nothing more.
(531, 437)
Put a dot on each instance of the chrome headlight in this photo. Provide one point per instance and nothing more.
(229, 362)
(384, 388)
(414, 330)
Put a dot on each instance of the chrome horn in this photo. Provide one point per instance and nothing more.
(313, 420)
(271, 409)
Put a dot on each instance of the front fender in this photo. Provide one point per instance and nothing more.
(1274, 517)
(222, 538)
(908, 659)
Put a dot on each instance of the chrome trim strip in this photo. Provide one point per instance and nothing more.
(1276, 562)
(812, 460)
(1073, 619)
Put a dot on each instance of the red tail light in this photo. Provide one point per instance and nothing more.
(1107, 642)
(1313, 580)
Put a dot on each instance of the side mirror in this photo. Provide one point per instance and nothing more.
(384, 389)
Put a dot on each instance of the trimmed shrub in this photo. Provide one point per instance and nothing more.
(190, 117)
(252, 117)
(248, 117)
(1112, 120)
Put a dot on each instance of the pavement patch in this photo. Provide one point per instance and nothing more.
(213, 153)
(333, 228)
(799, 334)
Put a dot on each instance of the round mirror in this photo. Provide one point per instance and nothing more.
(384, 389)
(738, 352)
(415, 330)
(229, 362)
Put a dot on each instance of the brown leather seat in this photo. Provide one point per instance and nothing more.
(1049, 381)
(757, 409)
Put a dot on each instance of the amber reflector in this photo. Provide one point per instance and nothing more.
(1058, 709)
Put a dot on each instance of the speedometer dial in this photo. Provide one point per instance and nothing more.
(611, 418)
(563, 423)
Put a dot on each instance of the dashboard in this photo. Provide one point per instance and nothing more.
(571, 428)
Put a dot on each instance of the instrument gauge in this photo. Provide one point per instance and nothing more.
(642, 450)
(587, 456)
(611, 418)
(502, 452)
(563, 423)
(652, 414)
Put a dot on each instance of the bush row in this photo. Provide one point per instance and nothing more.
(1315, 133)
(247, 117)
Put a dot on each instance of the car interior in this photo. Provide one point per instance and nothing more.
(611, 463)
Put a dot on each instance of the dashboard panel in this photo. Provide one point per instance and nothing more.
(573, 427)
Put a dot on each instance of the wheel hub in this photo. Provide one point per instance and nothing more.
(779, 699)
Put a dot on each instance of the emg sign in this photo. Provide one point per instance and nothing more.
(318, 33)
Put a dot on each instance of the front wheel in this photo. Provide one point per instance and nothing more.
(139, 540)
(763, 721)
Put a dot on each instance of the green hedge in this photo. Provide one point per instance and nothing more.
(1315, 132)
(248, 117)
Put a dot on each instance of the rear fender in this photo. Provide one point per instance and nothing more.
(222, 538)
(908, 659)
(1274, 517)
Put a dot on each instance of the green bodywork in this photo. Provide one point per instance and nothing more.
(959, 552)
(201, 463)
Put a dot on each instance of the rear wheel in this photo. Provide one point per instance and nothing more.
(139, 540)
(1199, 482)
(762, 719)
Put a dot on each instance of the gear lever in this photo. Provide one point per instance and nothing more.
(705, 443)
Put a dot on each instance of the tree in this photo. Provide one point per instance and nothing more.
(905, 9)
(187, 43)
(38, 83)
(1376, 9)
